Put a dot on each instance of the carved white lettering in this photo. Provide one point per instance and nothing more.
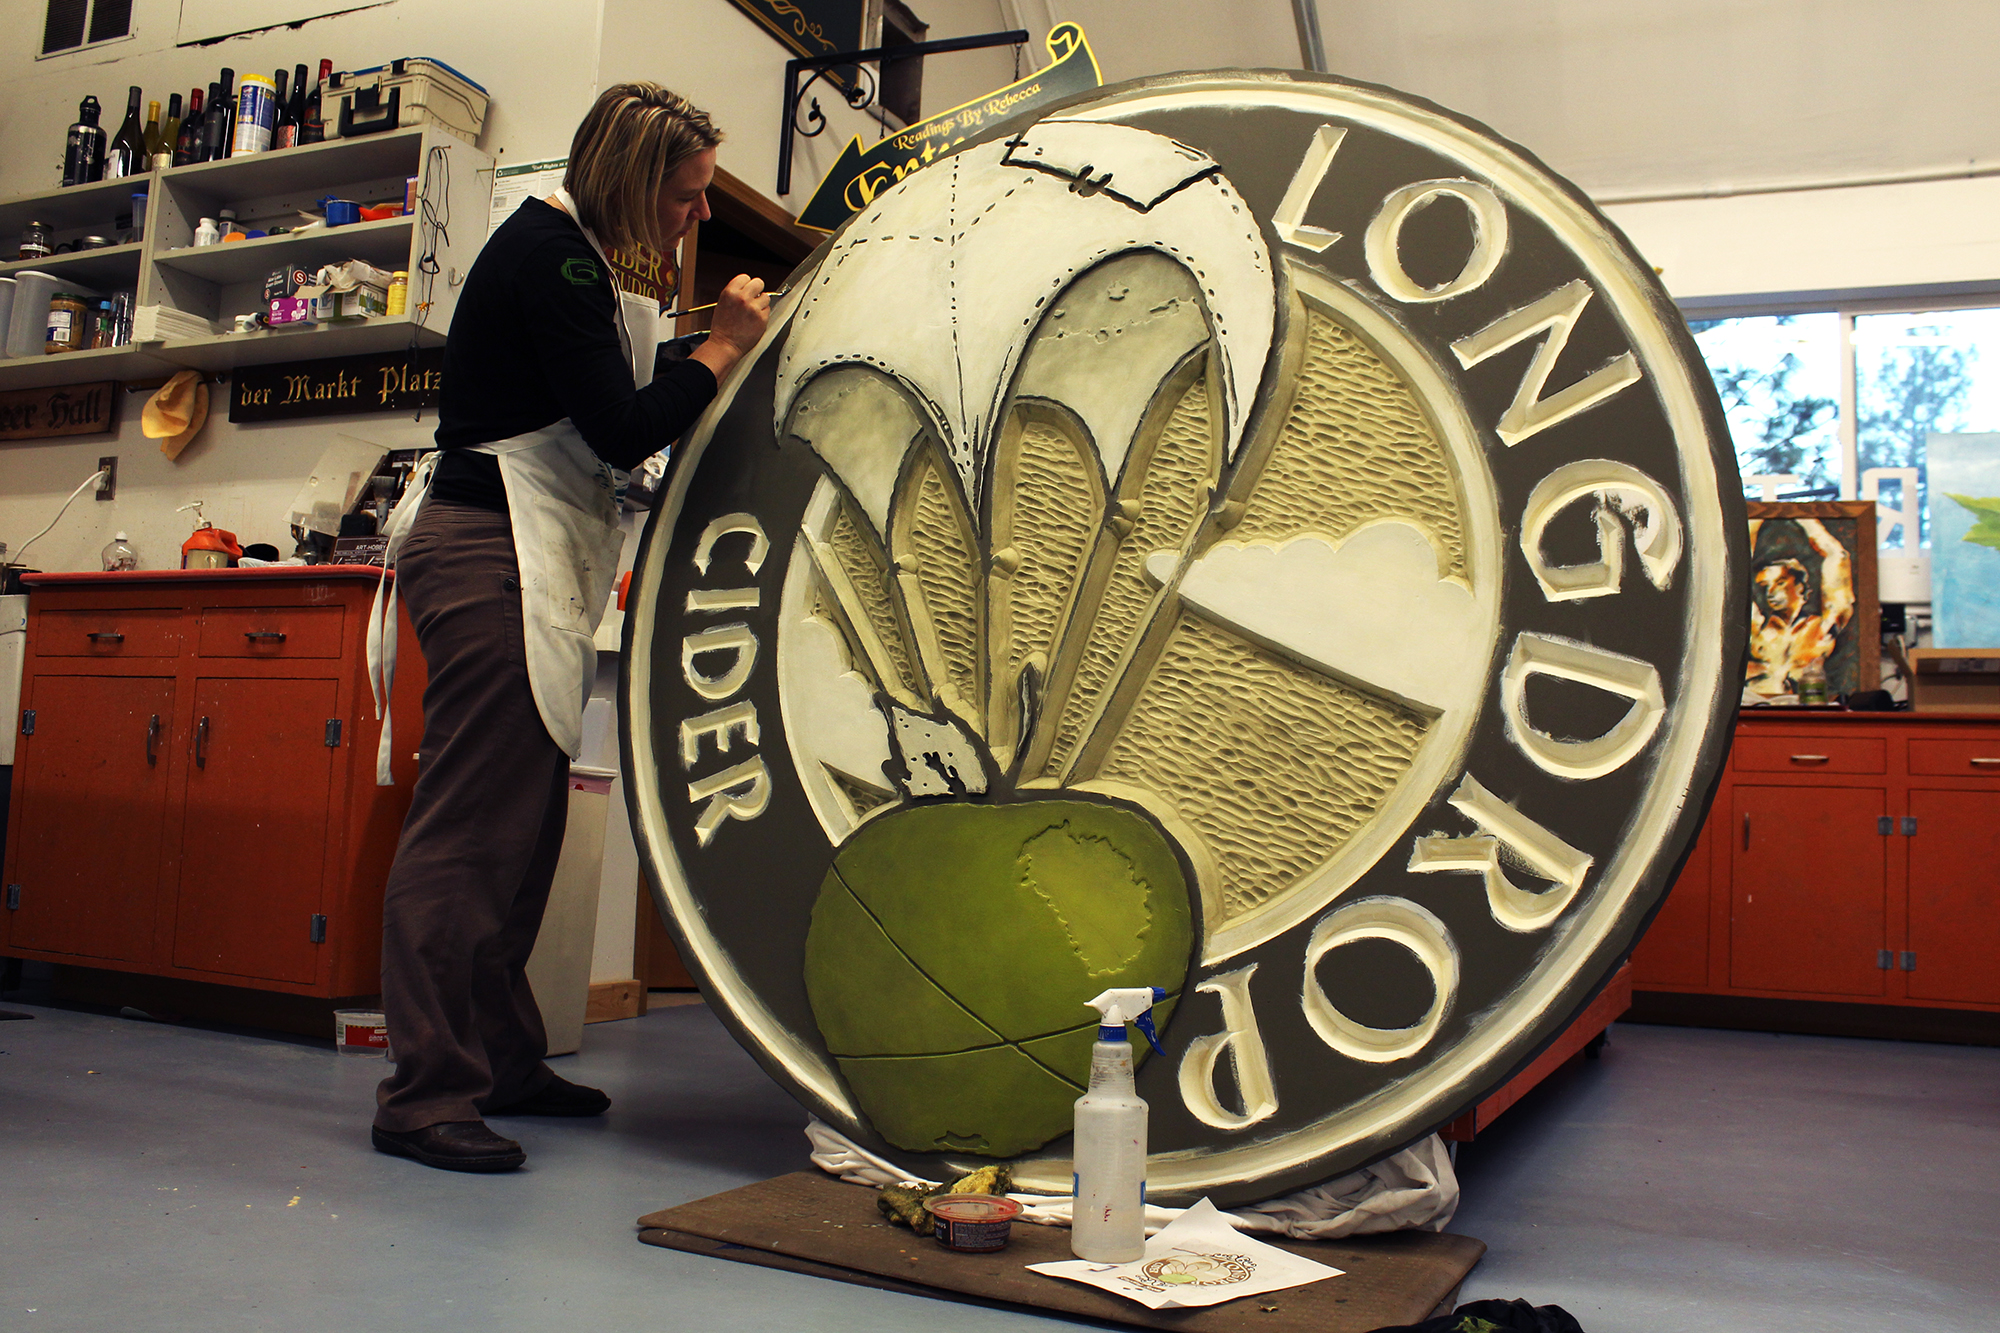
(736, 640)
(1247, 1058)
(1556, 314)
(1619, 490)
(740, 716)
(1565, 659)
(722, 599)
(1290, 219)
(741, 792)
(760, 545)
(1489, 239)
(1535, 847)
(1399, 921)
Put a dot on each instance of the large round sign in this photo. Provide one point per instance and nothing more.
(1253, 535)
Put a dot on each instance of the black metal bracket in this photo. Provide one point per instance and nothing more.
(857, 97)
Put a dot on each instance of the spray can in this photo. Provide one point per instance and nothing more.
(1108, 1220)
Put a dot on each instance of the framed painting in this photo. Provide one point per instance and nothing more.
(1813, 597)
(1965, 540)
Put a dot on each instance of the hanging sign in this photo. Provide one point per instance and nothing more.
(338, 386)
(71, 409)
(810, 27)
(861, 174)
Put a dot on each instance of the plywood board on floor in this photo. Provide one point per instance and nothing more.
(810, 1223)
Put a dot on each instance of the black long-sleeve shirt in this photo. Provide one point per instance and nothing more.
(534, 340)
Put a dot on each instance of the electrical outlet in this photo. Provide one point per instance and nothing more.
(107, 485)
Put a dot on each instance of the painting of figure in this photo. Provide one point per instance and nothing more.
(1812, 598)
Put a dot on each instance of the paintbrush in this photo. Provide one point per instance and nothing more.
(697, 309)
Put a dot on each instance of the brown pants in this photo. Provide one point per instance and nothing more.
(471, 878)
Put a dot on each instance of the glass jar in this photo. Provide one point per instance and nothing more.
(70, 323)
(34, 241)
(399, 293)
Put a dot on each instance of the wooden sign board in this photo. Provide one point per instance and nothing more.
(810, 27)
(70, 409)
(338, 386)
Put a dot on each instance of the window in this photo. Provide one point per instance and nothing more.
(73, 23)
(1812, 431)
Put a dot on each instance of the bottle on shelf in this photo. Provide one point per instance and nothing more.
(126, 154)
(399, 293)
(297, 106)
(151, 134)
(83, 155)
(312, 128)
(119, 555)
(206, 233)
(170, 131)
(285, 127)
(187, 146)
(221, 116)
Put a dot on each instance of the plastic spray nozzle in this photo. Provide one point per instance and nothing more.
(1134, 1005)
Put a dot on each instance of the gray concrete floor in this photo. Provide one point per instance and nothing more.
(158, 1179)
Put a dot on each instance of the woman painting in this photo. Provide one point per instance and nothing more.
(505, 548)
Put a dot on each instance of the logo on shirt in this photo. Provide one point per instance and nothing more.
(582, 272)
(1260, 538)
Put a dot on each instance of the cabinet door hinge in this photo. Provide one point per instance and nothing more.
(27, 721)
(1909, 826)
(333, 733)
(13, 897)
(1909, 960)
(1886, 825)
(316, 928)
(1885, 959)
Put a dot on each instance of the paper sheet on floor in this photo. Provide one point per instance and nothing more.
(1197, 1259)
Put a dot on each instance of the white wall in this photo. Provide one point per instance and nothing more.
(1706, 107)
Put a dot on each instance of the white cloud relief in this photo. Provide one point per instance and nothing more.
(1373, 612)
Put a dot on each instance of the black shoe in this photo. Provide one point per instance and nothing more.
(456, 1145)
(558, 1097)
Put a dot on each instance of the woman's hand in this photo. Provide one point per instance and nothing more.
(741, 313)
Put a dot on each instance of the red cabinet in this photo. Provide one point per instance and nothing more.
(1807, 908)
(1847, 857)
(1955, 895)
(90, 804)
(194, 788)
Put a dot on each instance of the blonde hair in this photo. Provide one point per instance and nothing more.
(633, 138)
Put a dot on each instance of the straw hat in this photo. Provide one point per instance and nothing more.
(175, 414)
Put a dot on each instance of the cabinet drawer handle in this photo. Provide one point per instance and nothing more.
(105, 636)
(153, 740)
(201, 744)
(1746, 830)
(272, 634)
(1808, 758)
(1985, 763)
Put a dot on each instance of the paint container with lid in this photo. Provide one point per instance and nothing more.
(360, 1032)
(256, 115)
(973, 1223)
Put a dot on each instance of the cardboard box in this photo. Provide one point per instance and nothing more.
(1955, 680)
(290, 310)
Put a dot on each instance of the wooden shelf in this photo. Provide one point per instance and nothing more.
(103, 270)
(217, 283)
(383, 333)
(104, 363)
(386, 244)
(83, 208)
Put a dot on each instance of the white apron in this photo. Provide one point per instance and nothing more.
(563, 503)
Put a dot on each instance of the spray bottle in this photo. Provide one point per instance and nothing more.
(1108, 1222)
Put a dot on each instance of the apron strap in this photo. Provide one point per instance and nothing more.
(381, 644)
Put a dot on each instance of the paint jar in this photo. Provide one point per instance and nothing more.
(973, 1223)
(360, 1032)
(398, 302)
(341, 212)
